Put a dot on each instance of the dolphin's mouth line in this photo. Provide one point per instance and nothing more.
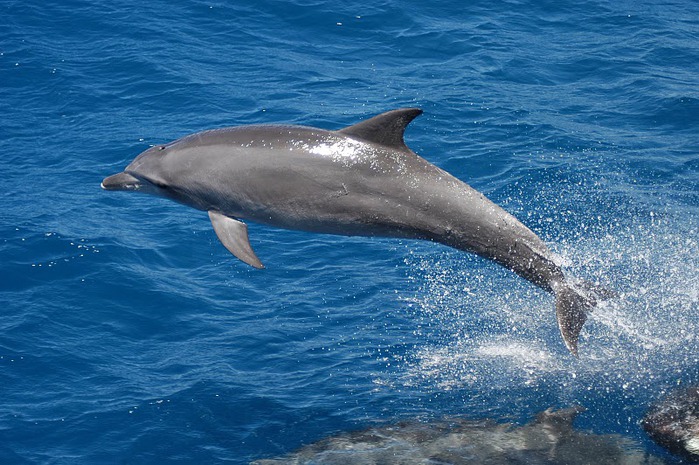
(122, 182)
(145, 181)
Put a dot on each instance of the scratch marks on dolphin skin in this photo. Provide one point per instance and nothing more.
(342, 192)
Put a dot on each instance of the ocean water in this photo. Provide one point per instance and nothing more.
(130, 335)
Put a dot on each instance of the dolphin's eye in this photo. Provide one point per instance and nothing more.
(161, 147)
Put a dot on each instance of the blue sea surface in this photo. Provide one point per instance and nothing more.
(130, 335)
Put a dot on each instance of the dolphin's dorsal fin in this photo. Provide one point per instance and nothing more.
(385, 129)
(559, 420)
(234, 236)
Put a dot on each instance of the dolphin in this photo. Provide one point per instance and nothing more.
(549, 439)
(360, 180)
(673, 422)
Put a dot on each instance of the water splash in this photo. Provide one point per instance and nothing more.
(485, 329)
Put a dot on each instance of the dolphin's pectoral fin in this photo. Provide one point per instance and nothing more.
(385, 129)
(234, 236)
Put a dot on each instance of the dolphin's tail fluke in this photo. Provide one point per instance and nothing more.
(573, 302)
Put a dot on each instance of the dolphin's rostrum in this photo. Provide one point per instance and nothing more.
(361, 180)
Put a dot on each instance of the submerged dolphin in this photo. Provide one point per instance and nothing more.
(361, 180)
(550, 439)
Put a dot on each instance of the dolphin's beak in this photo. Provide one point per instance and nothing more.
(121, 182)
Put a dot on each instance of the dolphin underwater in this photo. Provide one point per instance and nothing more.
(360, 180)
(550, 439)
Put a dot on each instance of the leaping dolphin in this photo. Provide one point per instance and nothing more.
(361, 180)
